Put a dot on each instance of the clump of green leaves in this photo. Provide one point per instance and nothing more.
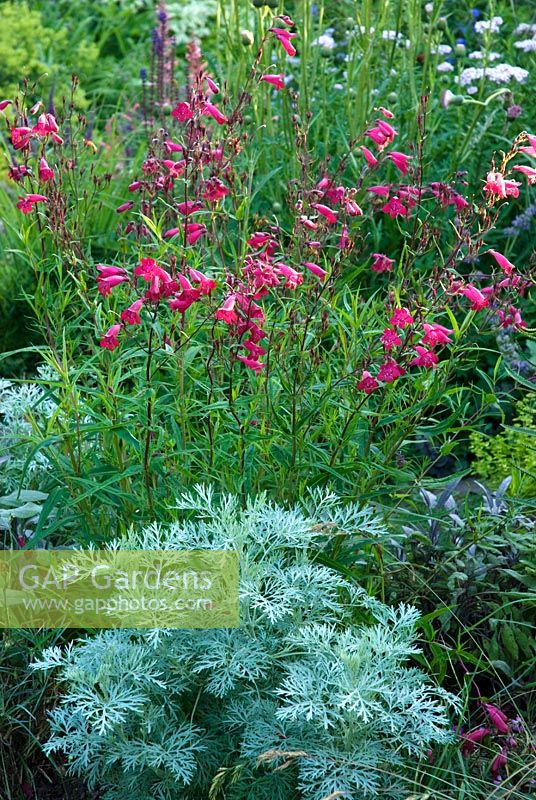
(31, 50)
(512, 452)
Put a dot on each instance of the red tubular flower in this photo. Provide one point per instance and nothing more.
(251, 363)
(436, 334)
(470, 740)
(189, 207)
(352, 209)
(425, 358)
(276, 80)
(400, 160)
(390, 339)
(194, 230)
(255, 350)
(45, 172)
(497, 717)
(293, 278)
(284, 38)
(368, 383)
(206, 285)
(110, 341)
(394, 208)
(506, 266)
(390, 371)
(106, 283)
(124, 207)
(210, 110)
(316, 270)
(131, 315)
(171, 232)
(329, 215)
(172, 147)
(20, 137)
(46, 125)
(226, 312)
(134, 186)
(369, 156)
(497, 185)
(344, 239)
(382, 263)
(27, 203)
(176, 168)
(214, 88)
(528, 172)
(4, 104)
(214, 190)
(401, 318)
(386, 113)
(182, 112)
(286, 20)
(499, 762)
(382, 191)
(478, 300)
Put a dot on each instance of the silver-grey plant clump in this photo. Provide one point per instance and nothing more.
(312, 697)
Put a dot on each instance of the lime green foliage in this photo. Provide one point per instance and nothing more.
(512, 452)
(30, 49)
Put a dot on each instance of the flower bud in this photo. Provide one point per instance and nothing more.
(246, 38)
(460, 49)
(442, 23)
(392, 98)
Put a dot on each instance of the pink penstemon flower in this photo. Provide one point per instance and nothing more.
(368, 383)
(369, 156)
(470, 740)
(182, 112)
(395, 208)
(293, 278)
(506, 265)
(497, 717)
(528, 172)
(329, 215)
(478, 300)
(436, 334)
(285, 39)
(390, 371)
(210, 110)
(425, 358)
(45, 172)
(125, 207)
(131, 315)
(212, 85)
(382, 263)
(226, 313)
(206, 285)
(401, 318)
(400, 160)
(390, 339)
(251, 363)
(316, 270)
(26, 203)
(275, 80)
(110, 341)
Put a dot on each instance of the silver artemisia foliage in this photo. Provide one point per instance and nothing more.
(311, 696)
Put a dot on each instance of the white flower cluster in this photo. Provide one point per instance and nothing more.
(527, 45)
(492, 25)
(441, 50)
(388, 36)
(478, 55)
(501, 73)
(445, 66)
(326, 40)
(524, 27)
